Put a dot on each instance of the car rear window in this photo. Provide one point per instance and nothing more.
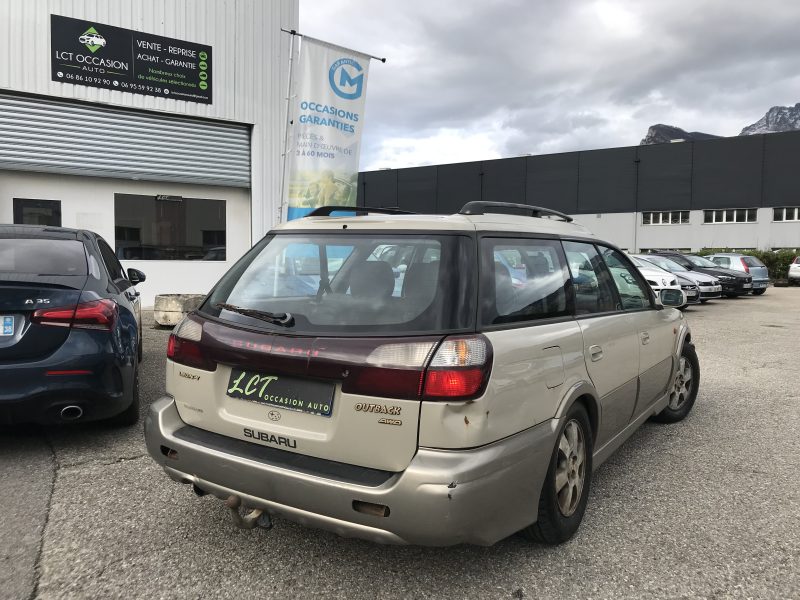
(42, 256)
(752, 261)
(354, 284)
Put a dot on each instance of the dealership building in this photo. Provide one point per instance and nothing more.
(159, 125)
(739, 192)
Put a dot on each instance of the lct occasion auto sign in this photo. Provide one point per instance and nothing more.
(89, 53)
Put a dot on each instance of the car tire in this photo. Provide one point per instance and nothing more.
(129, 416)
(759, 292)
(559, 513)
(683, 391)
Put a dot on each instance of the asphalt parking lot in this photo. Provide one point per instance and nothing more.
(706, 508)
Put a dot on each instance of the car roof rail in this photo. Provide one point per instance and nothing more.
(482, 208)
(325, 211)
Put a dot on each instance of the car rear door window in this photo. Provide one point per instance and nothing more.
(594, 291)
(523, 280)
(632, 293)
(42, 256)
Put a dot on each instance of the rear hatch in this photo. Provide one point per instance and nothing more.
(334, 363)
(757, 269)
(37, 276)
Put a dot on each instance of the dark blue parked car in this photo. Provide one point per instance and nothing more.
(70, 328)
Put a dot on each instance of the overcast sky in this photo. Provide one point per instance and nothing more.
(475, 80)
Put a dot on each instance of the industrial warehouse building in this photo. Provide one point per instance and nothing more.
(158, 125)
(740, 192)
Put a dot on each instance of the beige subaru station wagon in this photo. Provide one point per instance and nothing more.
(420, 379)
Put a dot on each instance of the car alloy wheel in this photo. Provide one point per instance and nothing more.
(683, 385)
(570, 468)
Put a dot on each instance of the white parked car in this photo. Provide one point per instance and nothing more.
(794, 271)
(442, 403)
(658, 278)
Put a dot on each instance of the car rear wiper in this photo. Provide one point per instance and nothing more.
(282, 319)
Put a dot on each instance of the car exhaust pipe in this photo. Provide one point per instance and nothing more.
(71, 413)
(255, 518)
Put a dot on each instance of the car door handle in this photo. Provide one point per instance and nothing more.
(645, 337)
(132, 295)
(596, 352)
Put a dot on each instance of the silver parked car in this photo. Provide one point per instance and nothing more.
(708, 285)
(462, 398)
(746, 264)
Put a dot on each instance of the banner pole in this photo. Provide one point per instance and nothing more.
(288, 124)
(294, 33)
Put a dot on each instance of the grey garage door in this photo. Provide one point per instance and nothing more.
(54, 136)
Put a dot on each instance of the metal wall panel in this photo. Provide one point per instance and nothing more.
(416, 189)
(607, 181)
(782, 169)
(552, 181)
(504, 180)
(665, 177)
(55, 136)
(727, 173)
(456, 185)
(380, 189)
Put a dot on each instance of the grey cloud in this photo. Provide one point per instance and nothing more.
(567, 75)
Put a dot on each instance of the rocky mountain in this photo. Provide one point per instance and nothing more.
(660, 134)
(778, 118)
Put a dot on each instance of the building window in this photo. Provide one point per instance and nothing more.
(37, 212)
(786, 213)
(169, 228)
(670, 217)
(731, 215)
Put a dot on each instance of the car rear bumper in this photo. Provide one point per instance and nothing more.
(444, 497)
(80, 373)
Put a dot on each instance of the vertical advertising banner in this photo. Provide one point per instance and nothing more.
(328, 113)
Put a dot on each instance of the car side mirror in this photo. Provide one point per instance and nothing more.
(670, 297)
(136, 276)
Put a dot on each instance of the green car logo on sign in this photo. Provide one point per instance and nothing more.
(92, 40)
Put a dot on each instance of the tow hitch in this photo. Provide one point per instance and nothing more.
(255, 518)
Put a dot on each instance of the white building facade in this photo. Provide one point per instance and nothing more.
(693, 230)
(159, 125)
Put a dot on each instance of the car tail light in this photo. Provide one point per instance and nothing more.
(455, 370)
(391, 371)
(97, 314)
(744, 264)
(459, 369)
(184, 346)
